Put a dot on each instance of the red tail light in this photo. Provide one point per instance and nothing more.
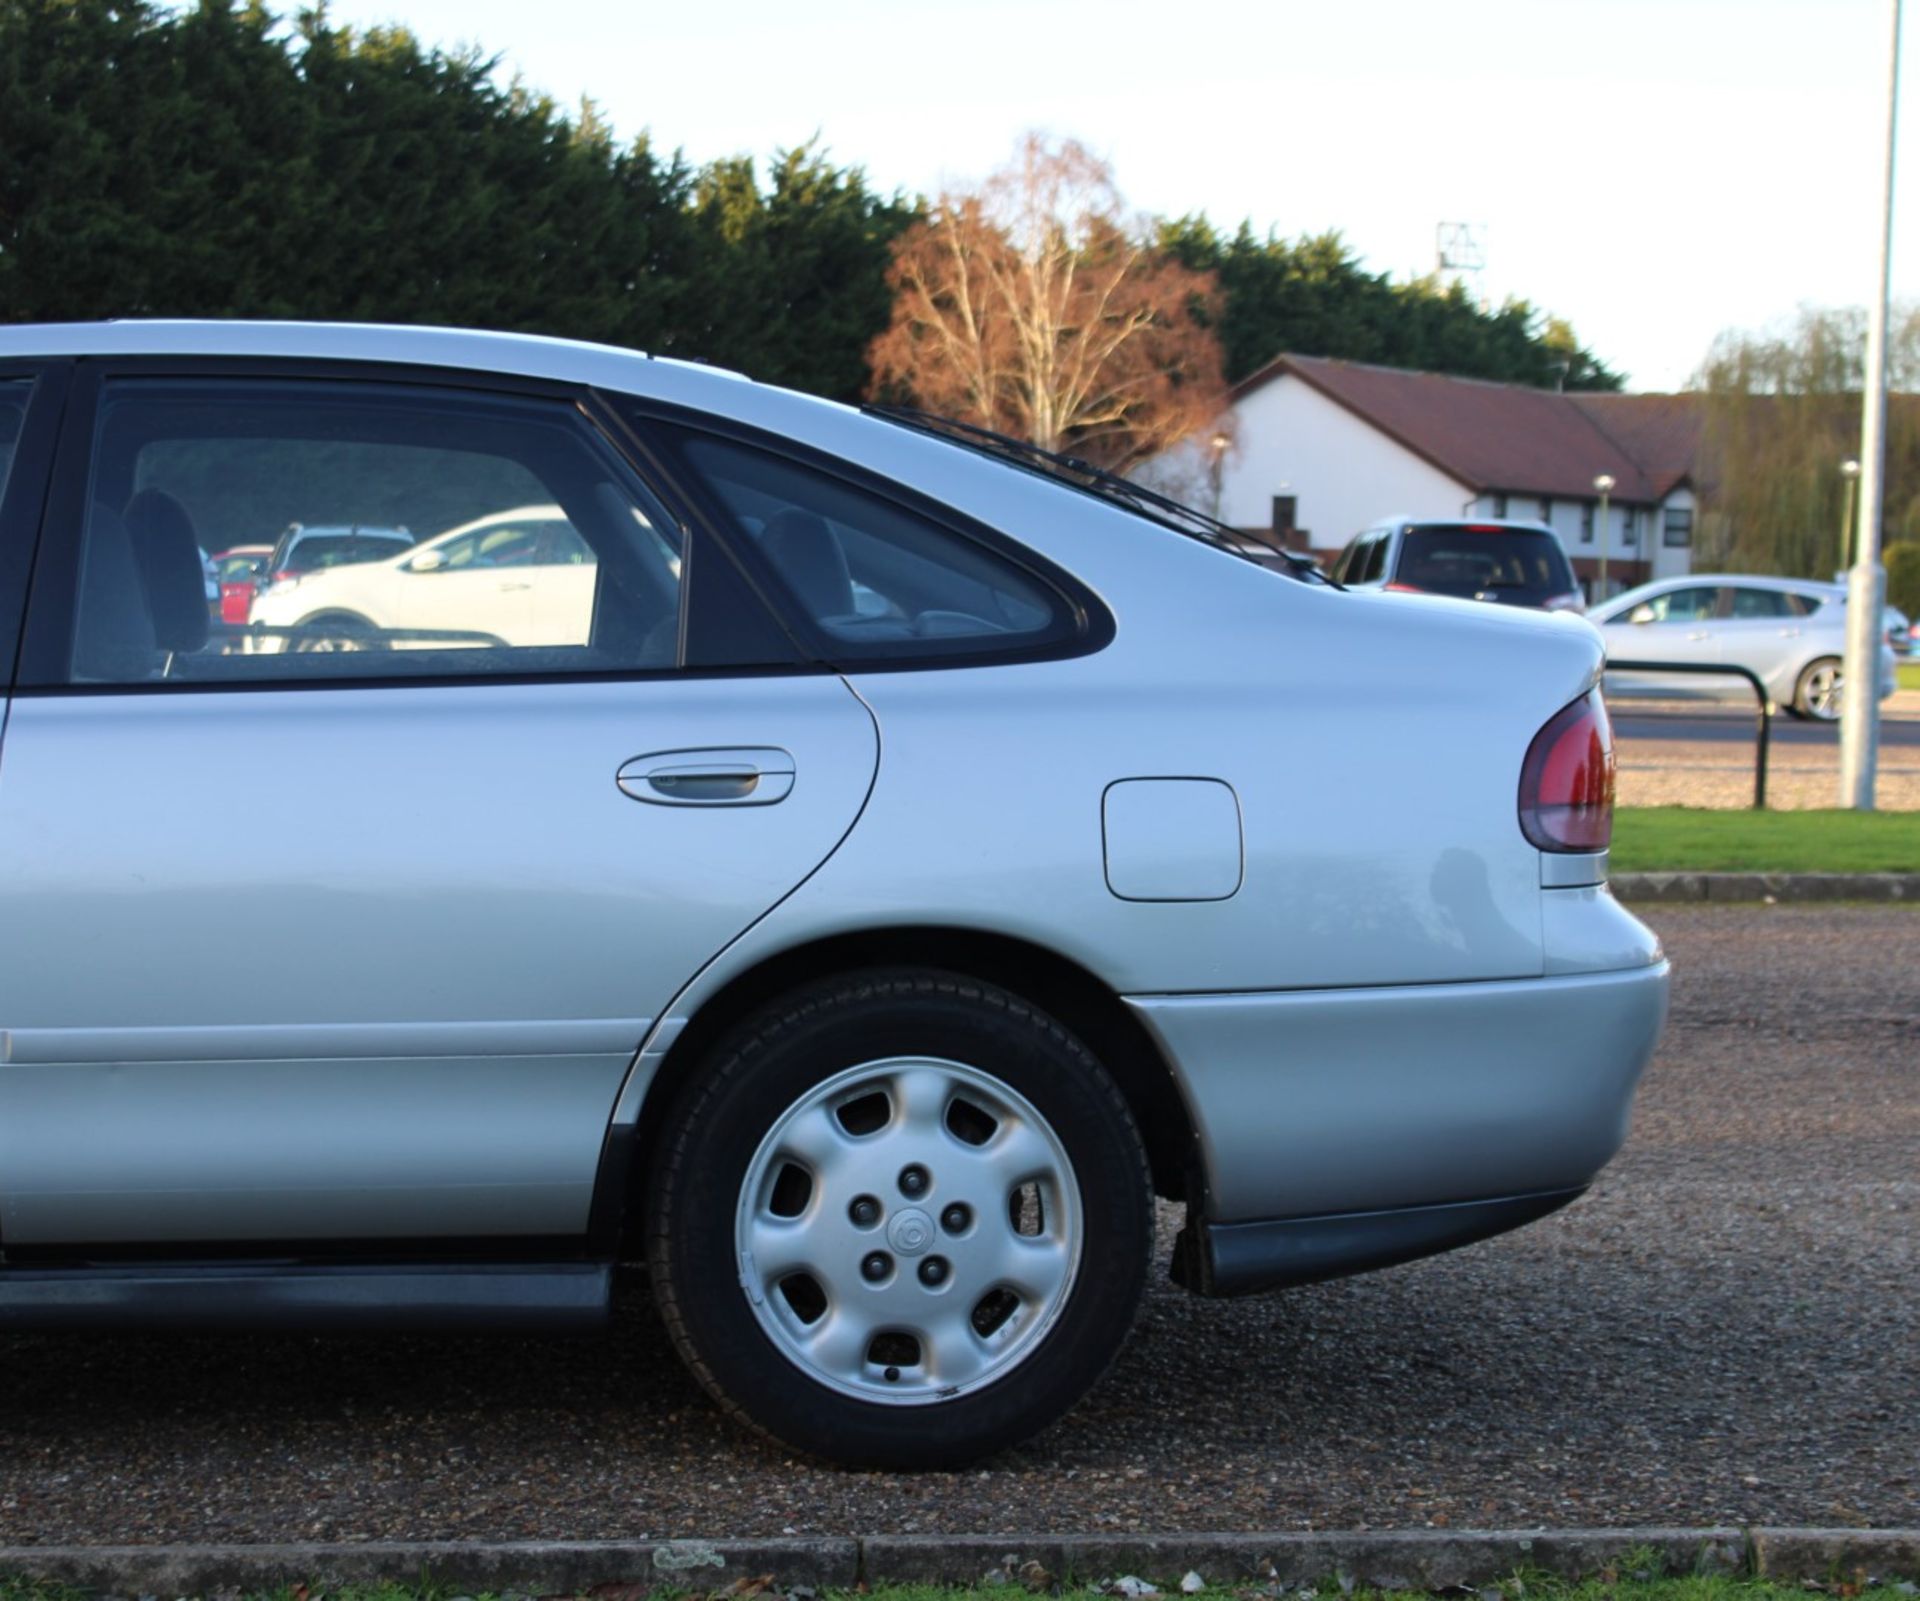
(1399, 588)
(1566, 783)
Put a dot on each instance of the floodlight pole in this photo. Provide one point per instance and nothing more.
(1866, 585)
(1604, 485)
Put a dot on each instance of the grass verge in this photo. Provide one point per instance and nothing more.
(1674, 839)
(1909, 675)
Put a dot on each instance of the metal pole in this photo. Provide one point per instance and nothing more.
(1866, 585)
(1850, 475)
(1604, 483)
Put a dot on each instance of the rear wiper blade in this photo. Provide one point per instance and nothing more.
(1079, 473)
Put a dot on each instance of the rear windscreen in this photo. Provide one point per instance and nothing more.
(1452, 560)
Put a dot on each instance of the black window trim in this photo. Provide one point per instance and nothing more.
(1093, 625)
(43, 664)
(23, 501)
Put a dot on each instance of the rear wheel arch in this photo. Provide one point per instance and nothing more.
(337, 616)
(1082, 1003)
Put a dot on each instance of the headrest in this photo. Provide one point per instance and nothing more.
(113, 639)
(807, 554)
(170, 565)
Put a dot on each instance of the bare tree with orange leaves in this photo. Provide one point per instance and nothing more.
(1037, 307)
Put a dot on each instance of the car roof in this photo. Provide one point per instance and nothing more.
(1518, 525)
(1749, 580)
(537, 356)
(526, 355)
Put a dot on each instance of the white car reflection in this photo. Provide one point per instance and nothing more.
(514, 578)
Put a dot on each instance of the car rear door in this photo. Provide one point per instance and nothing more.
(358, 944)
(1764, 631)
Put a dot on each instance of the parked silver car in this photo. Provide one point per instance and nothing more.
(1791, 632)
(924, 852)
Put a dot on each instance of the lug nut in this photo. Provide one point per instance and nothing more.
(865, 1211)
(956, 1218)
(913, 1180)
(933, 1272)
(874, 1266)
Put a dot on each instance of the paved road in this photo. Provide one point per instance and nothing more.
(1727, 1329)
(1736, 726)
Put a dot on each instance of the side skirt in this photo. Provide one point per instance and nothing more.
(1222, 1259)
(543, 1296)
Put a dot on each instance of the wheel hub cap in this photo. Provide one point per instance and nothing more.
(910, 1232)
(879, 1300)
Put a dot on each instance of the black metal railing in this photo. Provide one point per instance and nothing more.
(1763, 731)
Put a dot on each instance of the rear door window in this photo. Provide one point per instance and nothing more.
(1692, 605)
(1463, 560)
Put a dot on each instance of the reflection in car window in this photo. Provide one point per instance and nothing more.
(878, 579)
(13, 412)
(411, 532)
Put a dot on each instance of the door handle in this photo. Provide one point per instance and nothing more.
(1789, 633)
(1700, 634)
(756, 776)
(509, 587)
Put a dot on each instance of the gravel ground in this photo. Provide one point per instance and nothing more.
(1672, 772)
(1727, 1329)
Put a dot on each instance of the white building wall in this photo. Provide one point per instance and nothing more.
(1672, 561)
(1344, 473)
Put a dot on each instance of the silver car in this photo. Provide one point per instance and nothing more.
(918, 854)
(1789, 632)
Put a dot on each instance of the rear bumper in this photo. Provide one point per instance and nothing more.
(1314, 1105)
(1245, 1258)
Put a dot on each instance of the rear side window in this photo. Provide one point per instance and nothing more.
(410, 532)
(1456, 559)
(1373, 561)
(877, 579)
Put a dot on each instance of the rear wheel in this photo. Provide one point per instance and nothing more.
(1817, 694)
(903, 1220)
(328, 634)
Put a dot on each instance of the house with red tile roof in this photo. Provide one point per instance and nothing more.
(1319, 449)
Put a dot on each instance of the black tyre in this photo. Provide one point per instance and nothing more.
(326, 635)
(899, 1220)
(1817, 693)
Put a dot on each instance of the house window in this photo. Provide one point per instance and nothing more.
(1286, 511)
(1546, 510)
(1626, 526)
(1677, 528)
(1586, 524)
(1499, 505)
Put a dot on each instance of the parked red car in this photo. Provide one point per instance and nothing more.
(242, 570)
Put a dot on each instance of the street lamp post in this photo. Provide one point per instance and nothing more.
(1604, 484)
(1219, 444)
(1850, 475)
(1866, 583)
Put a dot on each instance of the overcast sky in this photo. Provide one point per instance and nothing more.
(1653, 170)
